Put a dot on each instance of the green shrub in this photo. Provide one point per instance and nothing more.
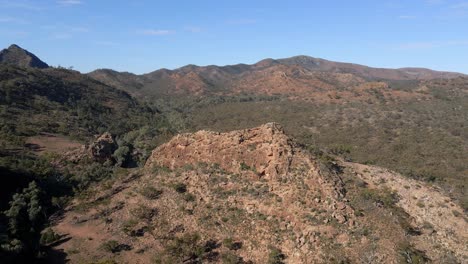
(180, 187)
(230, 258)
(121, 155)
(188, 197)
(384, 196)
(160, 169)
(231, 244)
(144, 212)
(244, 166)
(49, 236)
(409, 254)
(110, 246)
(151, 193)
(276, 256)
(456, 213)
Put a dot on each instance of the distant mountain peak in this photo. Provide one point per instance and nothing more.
(14, 46)
(15, 55)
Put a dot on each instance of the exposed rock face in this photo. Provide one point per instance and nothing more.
(15, 55)
(103, 147)
(261, 152)
(265, 150)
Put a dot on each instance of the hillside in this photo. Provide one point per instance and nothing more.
(45, 112)
(255, 196)
(300, 77)
(36, 99)
(61, 101)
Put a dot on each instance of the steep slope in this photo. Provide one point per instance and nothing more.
(255, 196)
(15, 55)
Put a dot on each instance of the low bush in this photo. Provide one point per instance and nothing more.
(151, 193)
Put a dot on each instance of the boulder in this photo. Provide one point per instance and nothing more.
(103, 147)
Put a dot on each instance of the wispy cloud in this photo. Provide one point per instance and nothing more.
(432, 44)
(461, 5)
(15, 34)
(434, 2)
(242, 21)
(156, 32)
(80, 29)
(20, 5)
(62, 36)
(70, 2)
(13, 20)
(106, 43)
(193, 29)
(407, 17)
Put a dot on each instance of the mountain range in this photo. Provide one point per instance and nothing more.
(300, 75)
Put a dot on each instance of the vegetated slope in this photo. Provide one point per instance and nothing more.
(301, 76)
(65, 102)
(255, 196)
(122, 80)
(15, 55)
(37, 105)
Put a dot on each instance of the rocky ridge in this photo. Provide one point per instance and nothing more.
(252, 195)
(264, 152)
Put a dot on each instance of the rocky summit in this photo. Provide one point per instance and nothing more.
(15, 55)
(266, 151)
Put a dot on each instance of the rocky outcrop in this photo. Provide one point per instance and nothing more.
(103, 147)
(258, 189)
(265, 151)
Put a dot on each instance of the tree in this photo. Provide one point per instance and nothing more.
(121, 155)
(26, 217)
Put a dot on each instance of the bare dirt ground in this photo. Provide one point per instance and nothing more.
(51, 143)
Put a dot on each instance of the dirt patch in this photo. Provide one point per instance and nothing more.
(51, 143)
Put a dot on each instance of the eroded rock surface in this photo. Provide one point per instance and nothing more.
(103, 147)
(264, 150)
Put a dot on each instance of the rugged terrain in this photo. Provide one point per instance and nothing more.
(85, 176)
(410, 120)
(256, 196)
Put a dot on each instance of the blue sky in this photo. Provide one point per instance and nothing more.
(142, 35)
